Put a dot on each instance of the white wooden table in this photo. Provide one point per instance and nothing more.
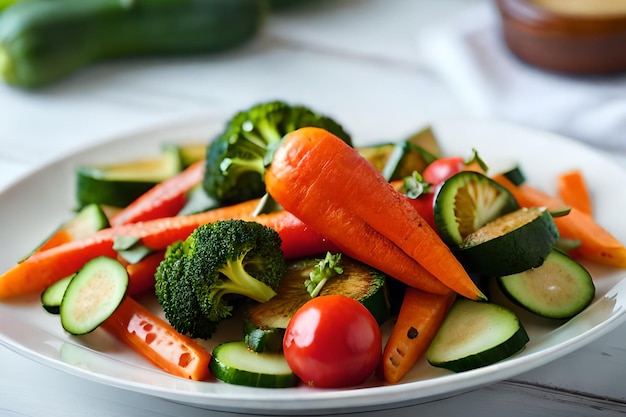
(356, 60)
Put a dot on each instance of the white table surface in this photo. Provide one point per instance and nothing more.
(353, 59)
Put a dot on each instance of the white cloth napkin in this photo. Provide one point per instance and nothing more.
(469, 54)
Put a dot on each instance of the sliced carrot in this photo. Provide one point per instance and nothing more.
(596, 243)
(141, 274)
(572, 189)
(59, 237)
(419, 319)
(165, 199)
(38, 271)
(332, 188)
(157, 341)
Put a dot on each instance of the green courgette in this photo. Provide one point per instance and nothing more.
(512, 243)
(52, 296)
(558, 289)
(466, 202)
(42, 41)
(119, 184)
(265, 323)
(476, 334)
(234, 363)
(92, 295)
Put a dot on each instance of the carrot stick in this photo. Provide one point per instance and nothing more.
(165, 199)
(141, 274)
(419, 319)
(40, 270)
(332, 188)
(59, 237)
(572, 189)
(596, 243)
(157, 341)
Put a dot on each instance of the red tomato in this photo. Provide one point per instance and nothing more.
(333, 341)
(441, 169)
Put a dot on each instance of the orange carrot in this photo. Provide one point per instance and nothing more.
(38, 271)
(572, 189)
(141, 274)
(596, 243)
(419, 319)
(59, 237)
(165, 199)
(157, 341)
(332, 188)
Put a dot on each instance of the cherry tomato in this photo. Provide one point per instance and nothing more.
(333, 341)
(441, 169)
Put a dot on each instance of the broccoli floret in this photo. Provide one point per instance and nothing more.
(201, 277)
(236, 159)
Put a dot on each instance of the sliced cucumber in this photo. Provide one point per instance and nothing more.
(559, 289)
(234, 363)
(266, 322)
(466, 202)
(93, 294)
(512, 243)
(191, 153)
(86, 222)
(476, 334)
(119, 184)
(52, 296)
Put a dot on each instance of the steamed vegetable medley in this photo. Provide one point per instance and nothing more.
(312, 246)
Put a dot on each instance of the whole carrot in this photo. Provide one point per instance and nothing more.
(157, 341)
(332, 188)
(419, 319)
(165, 199)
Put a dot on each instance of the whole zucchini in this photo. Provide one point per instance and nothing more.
(44, 40)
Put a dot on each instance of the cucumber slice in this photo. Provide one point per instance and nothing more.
(559, 289)
(92, 295)
(119, 184)
(86, 222)
(52, 296)
(476, 334)
(510, 244)
(234, 363)
(466, 202)
(266, 322)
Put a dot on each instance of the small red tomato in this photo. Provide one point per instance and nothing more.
(333, 341)
(424, 206)
(441, 169)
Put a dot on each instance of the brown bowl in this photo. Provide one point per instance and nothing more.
(575, 43)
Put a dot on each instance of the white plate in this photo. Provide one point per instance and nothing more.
(34, 206)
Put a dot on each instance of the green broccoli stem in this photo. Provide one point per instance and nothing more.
(241, 282)
(233, 166)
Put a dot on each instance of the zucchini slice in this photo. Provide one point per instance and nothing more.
(510, 244)
(558, 289)
(466, 202)
(92, 295)
(52, 296)
(476, 334)
(119, 184)
(234, 363)
(265, 323)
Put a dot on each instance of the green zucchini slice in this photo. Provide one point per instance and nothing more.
(118, 185)
(466, 202)
(512, 243)
(234, 363)
(475, 334)
(92, 295)
(52, 296)
(558, 289)
(265, 323)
